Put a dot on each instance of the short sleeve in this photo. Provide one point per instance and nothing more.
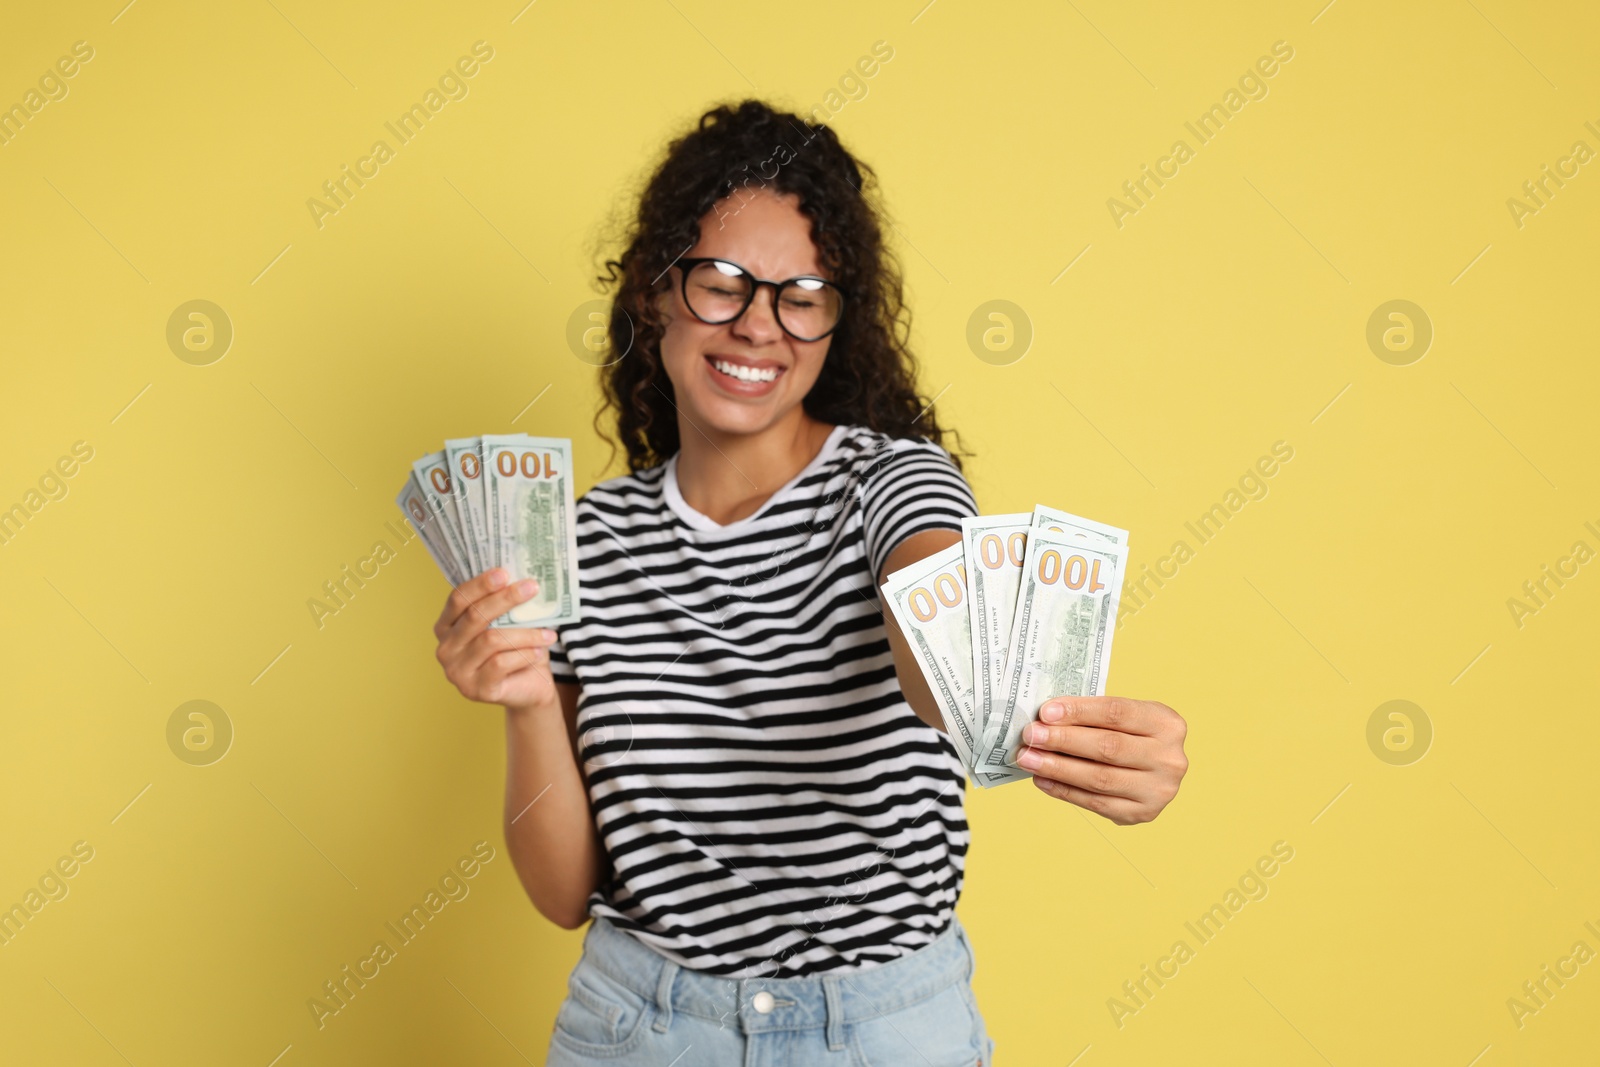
(916, 487)
(560, 667)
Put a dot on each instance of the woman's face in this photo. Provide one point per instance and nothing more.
(769, 237)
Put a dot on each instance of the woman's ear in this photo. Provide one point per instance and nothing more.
(663, 300)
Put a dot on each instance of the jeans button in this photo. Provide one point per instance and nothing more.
(762, 1002)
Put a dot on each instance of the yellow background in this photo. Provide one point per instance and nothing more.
(1223, 317)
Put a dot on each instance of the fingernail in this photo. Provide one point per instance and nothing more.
(1052, 712)
(1035, 734)
(1029, 758)
(527, 587)
(548, 635)
(497, 578)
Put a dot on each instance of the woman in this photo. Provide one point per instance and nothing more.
(731, 764)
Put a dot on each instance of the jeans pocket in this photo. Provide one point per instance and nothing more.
(942, 1031)
(600, 1016)
(981, 1042)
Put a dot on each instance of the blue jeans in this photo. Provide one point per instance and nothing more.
(629, 1006)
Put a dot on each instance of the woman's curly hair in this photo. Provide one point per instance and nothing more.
(869, 376)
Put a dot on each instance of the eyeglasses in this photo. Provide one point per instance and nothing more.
(717, 291)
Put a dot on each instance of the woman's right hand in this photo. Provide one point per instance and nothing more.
(509, 666)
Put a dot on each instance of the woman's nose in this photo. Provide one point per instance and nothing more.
(759, 322)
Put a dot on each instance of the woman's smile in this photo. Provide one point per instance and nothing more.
(742, 375)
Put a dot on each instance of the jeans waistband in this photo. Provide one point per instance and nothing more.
(829, 1000)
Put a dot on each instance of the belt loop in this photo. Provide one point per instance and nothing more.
(669, 971)
(967, 949)
(832, 994)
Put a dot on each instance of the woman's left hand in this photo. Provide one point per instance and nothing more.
(1116, 757)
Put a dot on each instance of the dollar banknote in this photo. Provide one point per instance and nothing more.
(532, 530)
(993, 546)
(1058, 521)
(415, 504)
(432, 473)
(501, 501)
(1061, 633)
(928, 600)
(464, 457)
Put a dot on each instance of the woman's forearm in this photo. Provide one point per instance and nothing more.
(548, 825)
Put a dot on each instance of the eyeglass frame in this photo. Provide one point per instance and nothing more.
(688, 263)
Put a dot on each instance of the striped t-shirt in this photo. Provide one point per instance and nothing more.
(769, 803)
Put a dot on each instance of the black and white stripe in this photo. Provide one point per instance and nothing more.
(769, 803)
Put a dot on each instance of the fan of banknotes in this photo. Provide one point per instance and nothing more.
(1022, 610)
(501, 501)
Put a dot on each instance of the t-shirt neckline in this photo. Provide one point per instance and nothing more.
(695, 520)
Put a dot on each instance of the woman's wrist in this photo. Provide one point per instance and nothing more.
(523, 712)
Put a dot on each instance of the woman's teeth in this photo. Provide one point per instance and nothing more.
(745, 374)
